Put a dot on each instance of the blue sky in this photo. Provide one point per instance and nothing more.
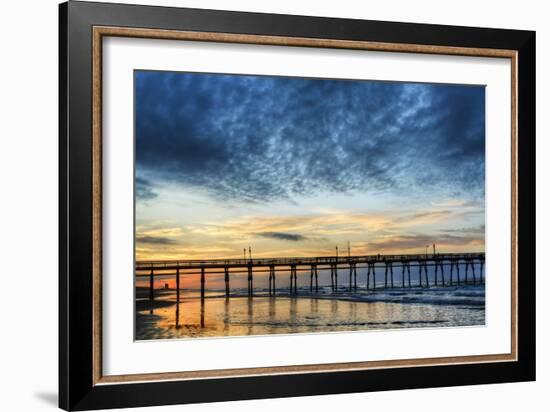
(296, 166)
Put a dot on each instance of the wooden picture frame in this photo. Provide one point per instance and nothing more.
(82, 27)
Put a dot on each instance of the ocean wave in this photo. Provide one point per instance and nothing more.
(473, 296)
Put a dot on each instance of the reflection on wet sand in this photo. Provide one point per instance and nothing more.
(263, 315)
(226, 318)
(202, 313)
(250, 314)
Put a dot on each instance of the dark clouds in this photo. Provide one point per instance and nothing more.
(476, 230)
(252, 138)
(156, 240)
(144, 189)
(293, 237)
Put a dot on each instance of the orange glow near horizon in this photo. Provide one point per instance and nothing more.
(311, 235)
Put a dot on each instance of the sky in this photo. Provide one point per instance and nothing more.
(294, 166)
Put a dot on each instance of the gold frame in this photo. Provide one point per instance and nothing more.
(101, 31)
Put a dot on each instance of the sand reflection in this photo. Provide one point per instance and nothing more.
(264, 315)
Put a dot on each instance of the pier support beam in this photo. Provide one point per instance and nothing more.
(316, 280)
(423, 265)
(406, 266)
(313, 274)
(178, 315)
(226, 278)
(389, 266)
(203, 280)
(271, 280)
(250, 280)
(451, 281)
(334, 276)
(293, 280)
(368, 276)
(178, 286)
(352, 275)
(151, 292)
(426, 274)
(481, 264)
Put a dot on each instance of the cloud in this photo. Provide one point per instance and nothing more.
(144, 189)
(424, 217)
(293, 237)
(257, 138)
(468, 230)
(417, 242)
(159, 229)
(155, 240)
(315, 234)
(320, 226)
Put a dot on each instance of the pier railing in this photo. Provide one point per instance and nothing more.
(288, 261)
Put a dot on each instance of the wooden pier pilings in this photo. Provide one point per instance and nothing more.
(250, 280)
(389, 266)
(293, 280)
(203, 281)
(371, 270)
(312, 265)
(178, 285)
(272, 287)
(151, 290)
(406, 267)
(352, 275)
(334, 276)
(312, 275)
(226, 280)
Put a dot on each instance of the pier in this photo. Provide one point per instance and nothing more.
(396, 270)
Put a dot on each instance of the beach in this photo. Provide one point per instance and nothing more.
(326, 311)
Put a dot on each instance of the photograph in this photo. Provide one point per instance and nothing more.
(279, 205)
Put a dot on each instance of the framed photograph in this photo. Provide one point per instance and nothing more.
(257, 205)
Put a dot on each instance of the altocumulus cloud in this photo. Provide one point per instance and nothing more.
(253, 138)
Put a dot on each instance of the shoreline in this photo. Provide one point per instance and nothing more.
(464, 295)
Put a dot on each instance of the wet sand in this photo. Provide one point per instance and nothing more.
(264, 315)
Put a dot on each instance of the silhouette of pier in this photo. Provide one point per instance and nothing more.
(446, 271)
